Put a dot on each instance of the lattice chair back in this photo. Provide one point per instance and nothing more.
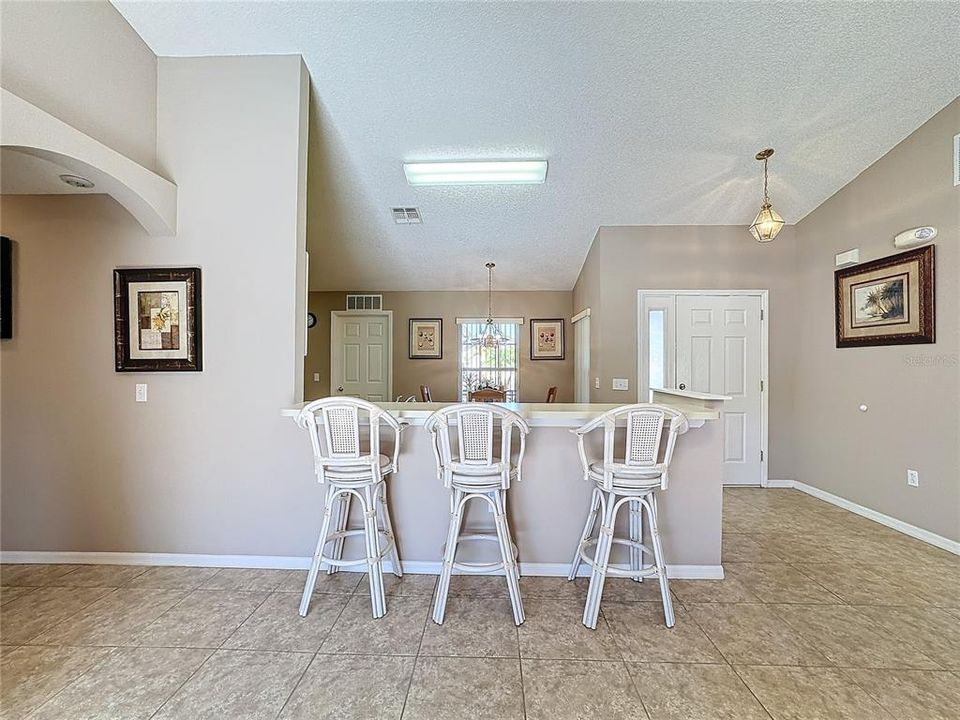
(334, 425)
(476, 426)
(644, 431)
(645, 453)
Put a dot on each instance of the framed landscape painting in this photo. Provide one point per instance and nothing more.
(546, 339)
(157, 319)
(889, 301)
(426, 339)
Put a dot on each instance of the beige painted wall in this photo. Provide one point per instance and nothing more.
(912, 391)
(441, 375)
(207, 465)
(625, 259)
(83, 63)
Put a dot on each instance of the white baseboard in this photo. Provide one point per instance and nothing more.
(279, 562)
(780, 483)
(891, 522)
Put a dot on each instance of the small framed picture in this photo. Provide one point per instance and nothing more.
(546, 339)
(157, 319)
(426, 339)
(889, 301)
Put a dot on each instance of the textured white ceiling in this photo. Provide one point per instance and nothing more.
(648, 113)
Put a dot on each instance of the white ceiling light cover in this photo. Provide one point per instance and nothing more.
(509, 172)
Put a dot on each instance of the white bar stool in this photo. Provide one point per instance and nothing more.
(348, 471)
(630, 479)
(475, 472)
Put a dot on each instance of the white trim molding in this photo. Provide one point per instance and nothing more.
(281, 562)
(580, 316)
(893, 523)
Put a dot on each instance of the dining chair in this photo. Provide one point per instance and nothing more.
(425, 393)
(488, 395)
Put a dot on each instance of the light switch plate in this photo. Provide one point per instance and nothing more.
(596, 383)
(621, 384)
(141, 392)
(316, 377)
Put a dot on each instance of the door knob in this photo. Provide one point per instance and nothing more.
(340, 389)
(682, 386)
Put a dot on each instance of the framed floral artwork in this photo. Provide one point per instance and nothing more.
(157, 319)
(546, 339)
(889, 301)
(426, 339)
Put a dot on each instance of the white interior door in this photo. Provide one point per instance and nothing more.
(361, 356)
(719, 350)
(581, 360)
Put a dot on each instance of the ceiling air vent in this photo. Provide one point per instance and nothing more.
(364, 302)
(406, 216)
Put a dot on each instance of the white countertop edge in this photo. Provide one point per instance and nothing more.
(569, 415)
(692, 394)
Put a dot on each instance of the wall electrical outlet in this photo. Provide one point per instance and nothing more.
(621, 384)
(596, 383)
(141, 392)
(913, 478)
(316, 377)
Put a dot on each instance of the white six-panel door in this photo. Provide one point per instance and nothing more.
(361, 355)
(719, 351)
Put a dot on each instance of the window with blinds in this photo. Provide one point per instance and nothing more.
(497, 367)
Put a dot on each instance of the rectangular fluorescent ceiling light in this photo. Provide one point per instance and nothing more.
(509, 172)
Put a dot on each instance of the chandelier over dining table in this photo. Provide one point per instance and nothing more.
(491, 335)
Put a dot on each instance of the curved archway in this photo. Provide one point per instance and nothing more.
(148, 197)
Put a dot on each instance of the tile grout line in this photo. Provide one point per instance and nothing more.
(750, 690)
(623, 661)
(416, 658)
(523, 694)
(73, 615)
(74, 680)
(181, 685)
(313, 659)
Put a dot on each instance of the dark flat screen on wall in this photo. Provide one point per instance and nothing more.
(6, 288)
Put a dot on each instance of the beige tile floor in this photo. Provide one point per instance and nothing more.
(822, 615)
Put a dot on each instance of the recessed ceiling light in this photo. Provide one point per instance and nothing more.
(510, 172)
(77, 181)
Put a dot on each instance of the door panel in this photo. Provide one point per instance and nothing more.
(362, 355)
(718, 351)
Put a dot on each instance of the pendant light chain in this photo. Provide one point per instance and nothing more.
(766, 197)
(490, 267)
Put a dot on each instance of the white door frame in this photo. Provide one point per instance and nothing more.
(334, 340)
(764, 296)
(578, 358)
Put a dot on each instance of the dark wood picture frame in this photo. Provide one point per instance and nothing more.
(534, 323)
(411, 343)
(6, 288)
(122, 277)
(917, 264)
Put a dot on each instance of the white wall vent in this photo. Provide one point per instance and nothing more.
(956, 159)
(406, 216)
(364, 302)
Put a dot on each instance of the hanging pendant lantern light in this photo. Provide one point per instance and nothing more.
(491, 336)
(768, 223)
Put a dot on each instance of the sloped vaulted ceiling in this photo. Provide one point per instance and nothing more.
(648, 113)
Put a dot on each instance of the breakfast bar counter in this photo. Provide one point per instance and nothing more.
(548, 506)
